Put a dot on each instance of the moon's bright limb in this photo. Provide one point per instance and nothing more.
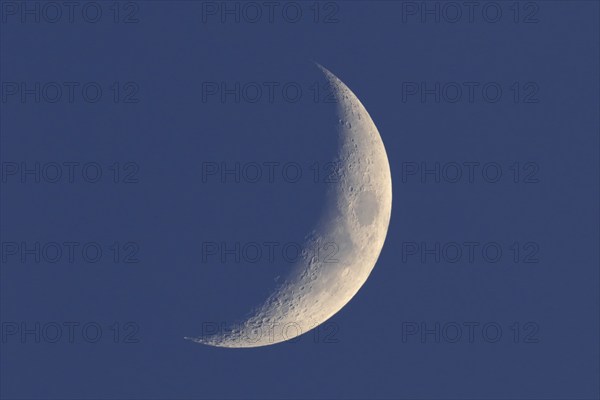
(354, 223)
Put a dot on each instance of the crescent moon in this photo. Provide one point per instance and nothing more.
(354, 223)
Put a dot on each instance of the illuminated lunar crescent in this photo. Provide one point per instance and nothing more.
(355, 221)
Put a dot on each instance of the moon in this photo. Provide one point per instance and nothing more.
(340, 252)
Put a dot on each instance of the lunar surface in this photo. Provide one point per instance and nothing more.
(342, 249)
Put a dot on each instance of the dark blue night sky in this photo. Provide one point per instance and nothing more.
(149, 149)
